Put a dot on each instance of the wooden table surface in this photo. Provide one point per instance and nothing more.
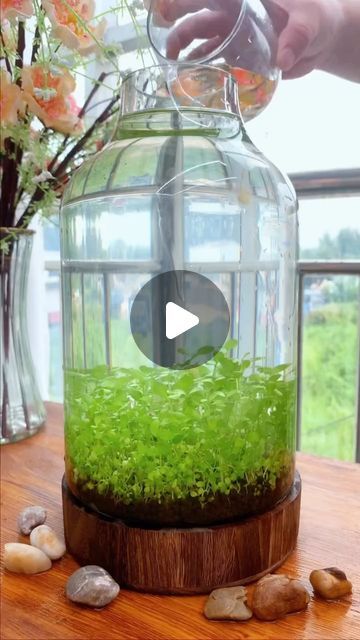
(35, 607)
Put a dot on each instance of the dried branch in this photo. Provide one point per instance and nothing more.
(20, 50)
(80, 144)
(8, 166)
(36, 44)
(16, 153)
(82, 111)
(93, 91)
(61, 169)
(13, 154)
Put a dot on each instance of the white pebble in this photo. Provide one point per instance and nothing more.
(23, 558)
(30, 518)
(44, 538)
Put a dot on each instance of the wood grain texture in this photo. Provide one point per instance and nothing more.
(183, 561)
(35, 607)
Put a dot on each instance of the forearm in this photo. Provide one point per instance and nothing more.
(344, 60)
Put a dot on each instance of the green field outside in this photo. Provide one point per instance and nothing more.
(329, 381)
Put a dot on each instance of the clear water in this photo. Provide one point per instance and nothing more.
(135, 432)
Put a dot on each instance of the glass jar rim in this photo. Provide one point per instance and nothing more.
(177, 65)
(187, 86)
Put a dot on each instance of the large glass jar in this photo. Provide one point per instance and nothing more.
(181, 188)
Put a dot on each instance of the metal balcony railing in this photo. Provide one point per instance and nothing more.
(320, 184)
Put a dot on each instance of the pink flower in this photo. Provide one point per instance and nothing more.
(73, 106)
(48, 97)
(71, 23)
(11, 99)
(11, 9)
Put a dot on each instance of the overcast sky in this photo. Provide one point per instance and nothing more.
(314, 123)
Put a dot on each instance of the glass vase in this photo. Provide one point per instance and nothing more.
(22, 411)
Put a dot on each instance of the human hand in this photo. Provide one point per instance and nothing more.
(307, 29)
(209, 20)
(212, 26)
(310, 35)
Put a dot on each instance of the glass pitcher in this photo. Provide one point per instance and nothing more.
(180, 190)
(237, 35)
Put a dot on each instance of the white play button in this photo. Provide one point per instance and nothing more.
(178, 320)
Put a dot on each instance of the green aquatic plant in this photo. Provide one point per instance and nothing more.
(158, 434)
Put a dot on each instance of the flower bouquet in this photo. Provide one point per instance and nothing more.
(45, 47)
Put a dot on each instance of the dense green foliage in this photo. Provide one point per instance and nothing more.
(150, 433)
(345, 246)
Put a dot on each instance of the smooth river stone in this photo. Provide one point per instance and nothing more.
(30, 518)
(23, 558)
(229, 603)
(92, 585)
(276, 595)
(44, 538)
(330, 583)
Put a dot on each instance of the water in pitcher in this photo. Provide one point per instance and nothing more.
(255, 90)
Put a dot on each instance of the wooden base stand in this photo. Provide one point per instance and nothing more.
(183, 561)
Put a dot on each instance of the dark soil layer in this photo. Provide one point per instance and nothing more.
(255, 498)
